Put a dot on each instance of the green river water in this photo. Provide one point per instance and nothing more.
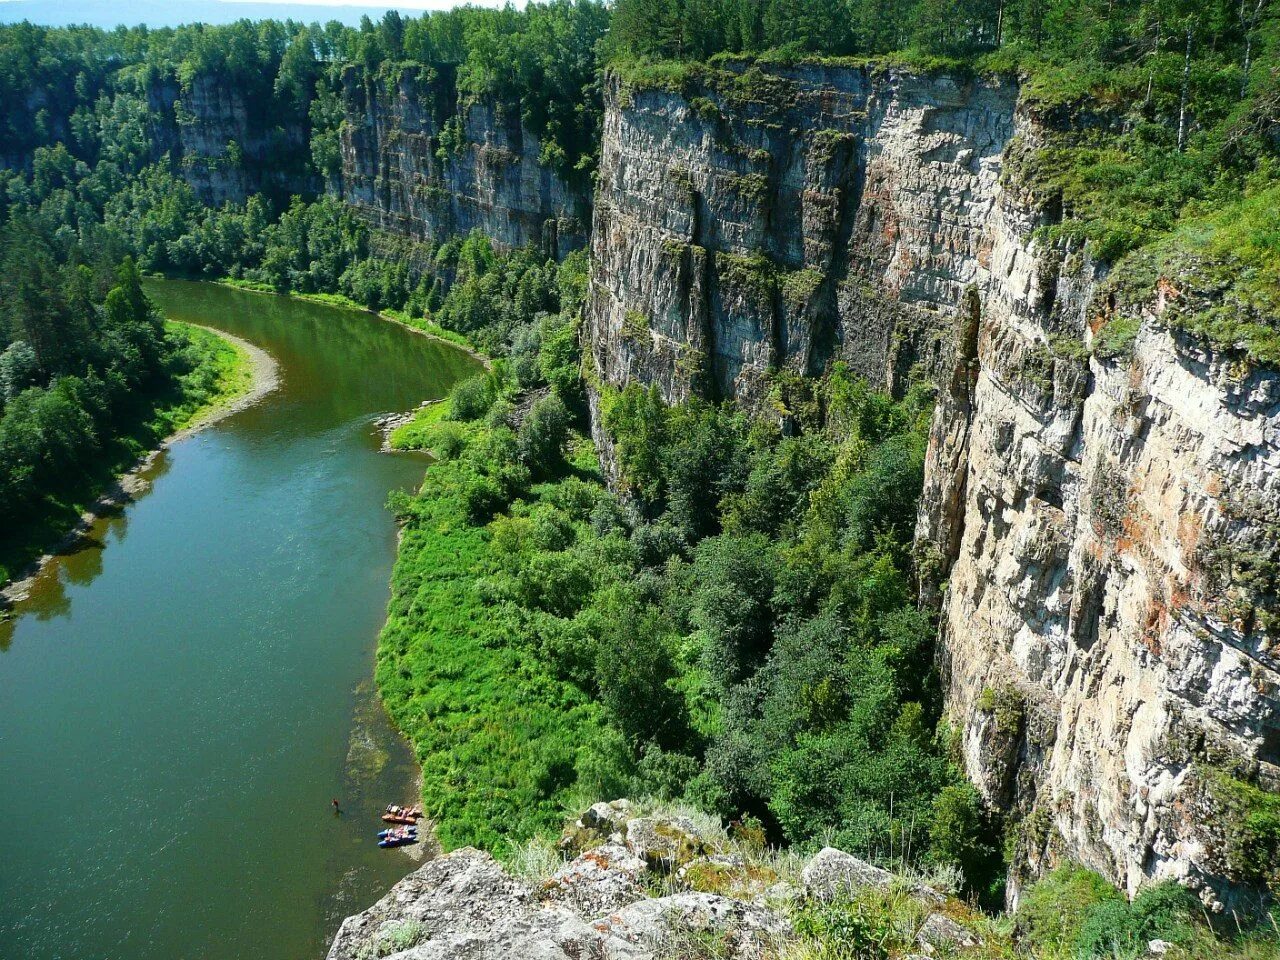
(180, 700)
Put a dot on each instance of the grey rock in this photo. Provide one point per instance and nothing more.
(610, 817)
(939, 931)
(600, 823)
(664, 843)
(833, 874)
(197, 137)
(749, 931)
(393, 174)
(599, 881)
(465, 906)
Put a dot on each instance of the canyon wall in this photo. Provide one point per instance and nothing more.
(224, 146)
(778, 220)
(419, 163)
(1096, 530)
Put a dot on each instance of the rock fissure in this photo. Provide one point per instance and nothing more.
(1068, 494)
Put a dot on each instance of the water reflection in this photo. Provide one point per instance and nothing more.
(193, 680)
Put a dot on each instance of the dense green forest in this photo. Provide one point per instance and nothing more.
(736, 625)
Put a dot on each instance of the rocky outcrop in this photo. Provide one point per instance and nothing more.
(1098, 527)
(419, 162)
(466, 905)
(599, 904)
(764, 221)
(225, 146)
(833, 875)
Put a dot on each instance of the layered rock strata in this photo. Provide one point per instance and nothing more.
(224, 146)
(774, 221)
(1099, 528)
(418, 162)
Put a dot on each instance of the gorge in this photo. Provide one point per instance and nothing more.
(1027, 321)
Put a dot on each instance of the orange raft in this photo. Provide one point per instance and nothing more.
(396, 814)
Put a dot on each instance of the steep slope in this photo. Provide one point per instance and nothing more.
(1085, 512)
(226, 147)
(775, 220)
(417, 162)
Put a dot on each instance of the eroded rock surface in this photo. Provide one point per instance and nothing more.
(1098, 528)
(418, 163)
(465, 905)
(599, 905)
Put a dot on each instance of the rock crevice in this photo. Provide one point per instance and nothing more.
(1097, 531)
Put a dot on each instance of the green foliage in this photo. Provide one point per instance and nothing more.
(1055, 909)
(746, 636)
(1250, 818)
(542, 436)
(471, 398)
(91, 382)
(842, 931)
(1220, 273)
(961, 835)
(1115, 928)
(496, 732)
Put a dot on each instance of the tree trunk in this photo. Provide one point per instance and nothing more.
(1186, 87)
(1249, 26)
(1151, 73)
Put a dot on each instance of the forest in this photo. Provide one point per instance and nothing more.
(735, 624)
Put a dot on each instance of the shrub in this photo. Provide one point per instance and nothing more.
(1115, 928)
(542, 436)
(959, 834)
(471, 399)
(1054, 910)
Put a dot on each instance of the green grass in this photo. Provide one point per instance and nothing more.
(428, 326)
(417, 433)
(219, 372)
(222, 375)
(1221, 273)
(496, 734)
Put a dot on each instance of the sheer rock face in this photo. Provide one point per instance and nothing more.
(418, 163)
(1101, 535)
(221, 146)
(779, 220)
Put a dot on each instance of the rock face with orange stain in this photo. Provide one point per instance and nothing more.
(1111, 582)
(1100, 525)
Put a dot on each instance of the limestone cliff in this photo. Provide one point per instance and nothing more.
(226, 147)
(419, 162)
(1099, 528)
(777, 220)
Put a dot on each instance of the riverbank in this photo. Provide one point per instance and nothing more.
(421, 327)
(257, 374)
(246, 379)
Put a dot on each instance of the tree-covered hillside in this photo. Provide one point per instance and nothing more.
(734, 623)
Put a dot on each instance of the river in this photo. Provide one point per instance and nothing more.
(180, 699)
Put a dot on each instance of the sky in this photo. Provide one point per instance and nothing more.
(159, 13)
(398, 4)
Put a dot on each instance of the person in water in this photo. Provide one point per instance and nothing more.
(336, 809)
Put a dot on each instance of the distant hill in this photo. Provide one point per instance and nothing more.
(171, 13)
